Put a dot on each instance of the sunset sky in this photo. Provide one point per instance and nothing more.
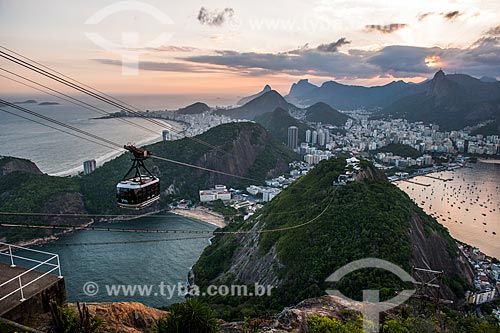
(235, 47)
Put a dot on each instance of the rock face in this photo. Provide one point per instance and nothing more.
(247, 99)
(126, 317)
(432, 251)
(244, 149)
(294, 319)
(441, 87)
(300, 89)
(10, 164)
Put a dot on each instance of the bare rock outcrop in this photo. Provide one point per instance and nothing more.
(126, 317)
(11, 164)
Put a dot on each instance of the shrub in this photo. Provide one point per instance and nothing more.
(191, 316)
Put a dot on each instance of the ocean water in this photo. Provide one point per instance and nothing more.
(468, 204)
(58, 153)
(135, 264)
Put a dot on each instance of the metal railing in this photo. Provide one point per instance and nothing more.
(52, 263)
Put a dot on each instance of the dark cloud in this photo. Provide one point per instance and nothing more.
(422, 16)
(479, 59)
(333, 47)
(482, 58)
(214, 18)
(161, 66)
(385, 29)
(403, 59)
(306, 62)
(494, 31)
(450, 16)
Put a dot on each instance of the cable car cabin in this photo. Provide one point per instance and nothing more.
(138, 192)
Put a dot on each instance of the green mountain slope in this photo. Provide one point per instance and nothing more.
(367, 218)
(22, 191)
(245, 149)
(324, 113)
(277, 123)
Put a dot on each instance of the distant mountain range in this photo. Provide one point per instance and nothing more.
(451, 101)
(349, 97)
(270, 107)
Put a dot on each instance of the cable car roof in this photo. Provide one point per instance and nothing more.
(134, 183)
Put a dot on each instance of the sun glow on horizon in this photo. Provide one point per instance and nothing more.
(433, 61)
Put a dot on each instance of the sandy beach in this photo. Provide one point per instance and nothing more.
(202, 214)
(114, 154)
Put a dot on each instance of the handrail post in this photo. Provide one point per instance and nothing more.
(21, 288)
(11, 258)
(59, 267)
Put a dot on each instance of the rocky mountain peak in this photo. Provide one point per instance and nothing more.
(440, 86)
(247, 99)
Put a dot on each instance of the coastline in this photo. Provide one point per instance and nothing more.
(202, 214)
(453, 231)
(57, 235)
(114, 154)
(51, 238)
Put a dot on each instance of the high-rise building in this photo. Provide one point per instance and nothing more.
(308, 136)
(293, 137)
(89, 166)
(321, 137)
(167, 136)
(314, 138)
